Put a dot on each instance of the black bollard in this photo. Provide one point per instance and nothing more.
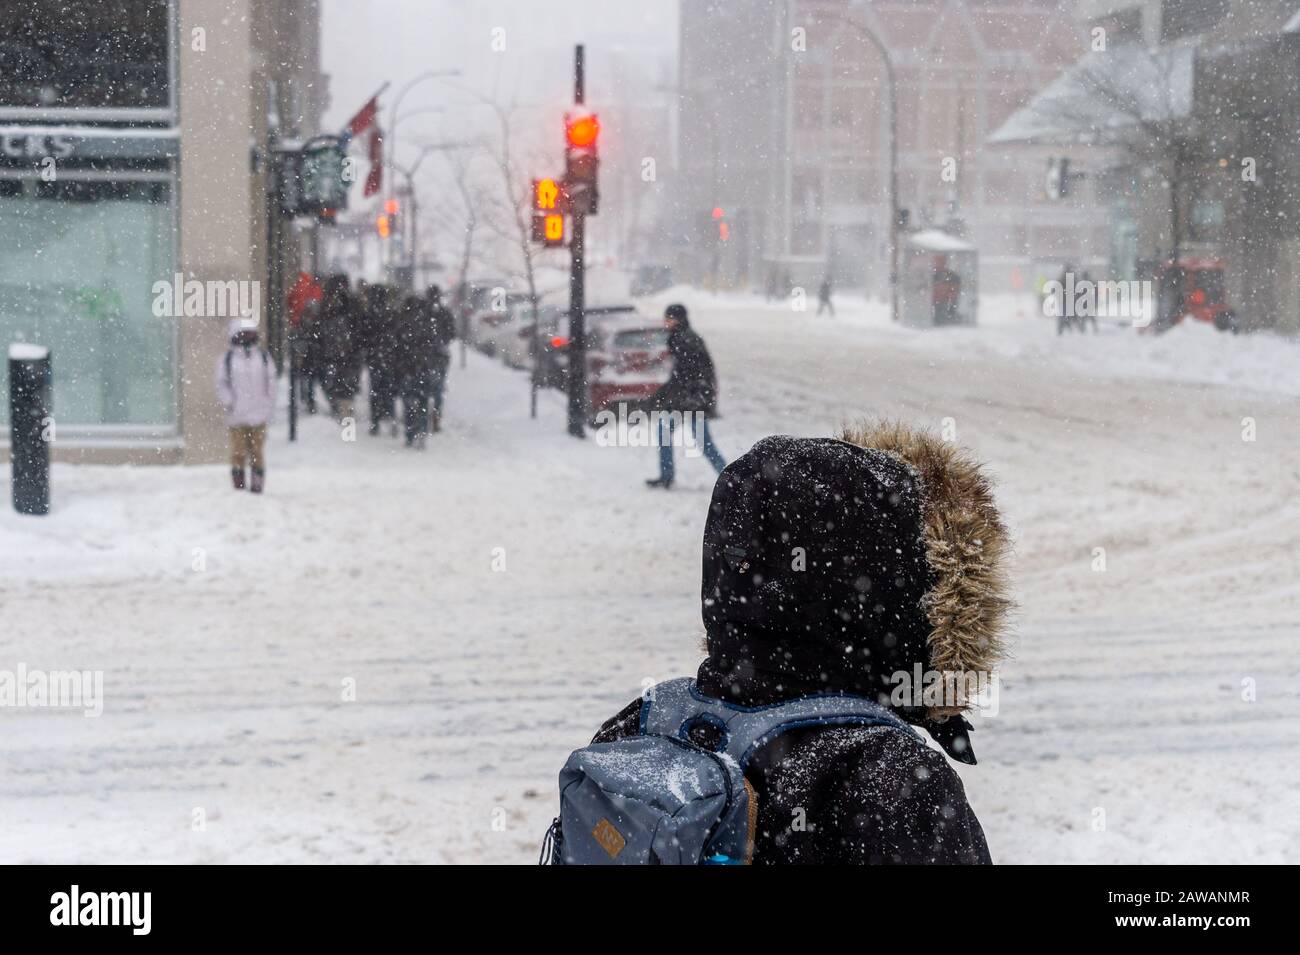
(29, 418)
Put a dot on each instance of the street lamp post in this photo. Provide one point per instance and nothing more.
(892, 79)
(392, 112)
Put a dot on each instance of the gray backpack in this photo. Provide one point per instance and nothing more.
(662, 798)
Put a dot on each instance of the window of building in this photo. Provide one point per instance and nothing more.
(77, 273)
(1180, 18)
(92, 55)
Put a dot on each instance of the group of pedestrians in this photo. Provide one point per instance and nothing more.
(403, 343)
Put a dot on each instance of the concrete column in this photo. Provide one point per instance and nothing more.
(216, 197)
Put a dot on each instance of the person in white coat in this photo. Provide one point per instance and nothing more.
(245, 379)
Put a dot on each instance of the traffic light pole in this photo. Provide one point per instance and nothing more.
(578, 291)
(578, 329)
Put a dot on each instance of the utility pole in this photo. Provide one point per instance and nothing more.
(579, 205)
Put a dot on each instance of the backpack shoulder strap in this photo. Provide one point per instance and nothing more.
(674, 707)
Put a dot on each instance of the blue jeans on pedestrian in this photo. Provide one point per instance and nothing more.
(700, 435)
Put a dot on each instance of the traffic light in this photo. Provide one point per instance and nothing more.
(724, 229)
(547, 195)
(383, 227)
(548, 213)
(581, 161)
(548, 229)
(390, 211)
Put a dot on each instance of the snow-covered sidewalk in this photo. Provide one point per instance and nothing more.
(493, 599)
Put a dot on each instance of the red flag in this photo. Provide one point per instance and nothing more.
(365, 117)
(375, 180)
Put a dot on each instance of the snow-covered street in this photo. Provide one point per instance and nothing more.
(498, 596)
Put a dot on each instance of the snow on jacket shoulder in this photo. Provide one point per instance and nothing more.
(245, 383)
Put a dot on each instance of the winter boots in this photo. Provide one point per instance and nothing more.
(237, 479)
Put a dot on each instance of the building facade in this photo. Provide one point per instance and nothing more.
(129, 169)
(1185, 120)
(794, 147)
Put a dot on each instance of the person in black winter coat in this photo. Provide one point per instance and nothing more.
(339, 357)
(415, 362)
(382, 308)
(444, 333)
(688, 398)
(837, 566)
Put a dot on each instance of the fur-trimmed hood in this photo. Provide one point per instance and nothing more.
(836, 565)
(967, 547)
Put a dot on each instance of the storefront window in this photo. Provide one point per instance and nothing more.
(92, 54)
(77, 269)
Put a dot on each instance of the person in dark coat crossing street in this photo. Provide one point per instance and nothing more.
(836, 566)
(689, 398)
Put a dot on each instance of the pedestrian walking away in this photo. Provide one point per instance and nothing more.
(824, 302)
(415, 359)
(245, 385)
(903, 573)
(339, 355)
(688, 399)
(444, 333)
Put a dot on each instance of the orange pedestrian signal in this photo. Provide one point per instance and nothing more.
(381, 226)
(554, 231)
(546, 195)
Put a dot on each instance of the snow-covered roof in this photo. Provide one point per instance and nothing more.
(1105, 94)
(934, 240)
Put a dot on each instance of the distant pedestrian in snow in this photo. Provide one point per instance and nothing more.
(1090, 316)
(340, 356)
(688, 397)
(444, 333)
(245, 384)
(824, 302)
(831, 567)
(1064, 320)
(382, 308)
(415, 358)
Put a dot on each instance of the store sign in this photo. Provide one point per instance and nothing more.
(19, 145)
(35, 146)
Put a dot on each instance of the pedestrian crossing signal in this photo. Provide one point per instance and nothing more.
(546, 195)
(548, 229)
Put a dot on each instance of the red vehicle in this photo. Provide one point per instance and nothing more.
(627, 360)
(1193, 288)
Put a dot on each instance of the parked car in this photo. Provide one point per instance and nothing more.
(515, 340)
(627, 361)
(493, 319)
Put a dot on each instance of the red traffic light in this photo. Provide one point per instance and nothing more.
(582, 131)
(717, 212)
(391, 207)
